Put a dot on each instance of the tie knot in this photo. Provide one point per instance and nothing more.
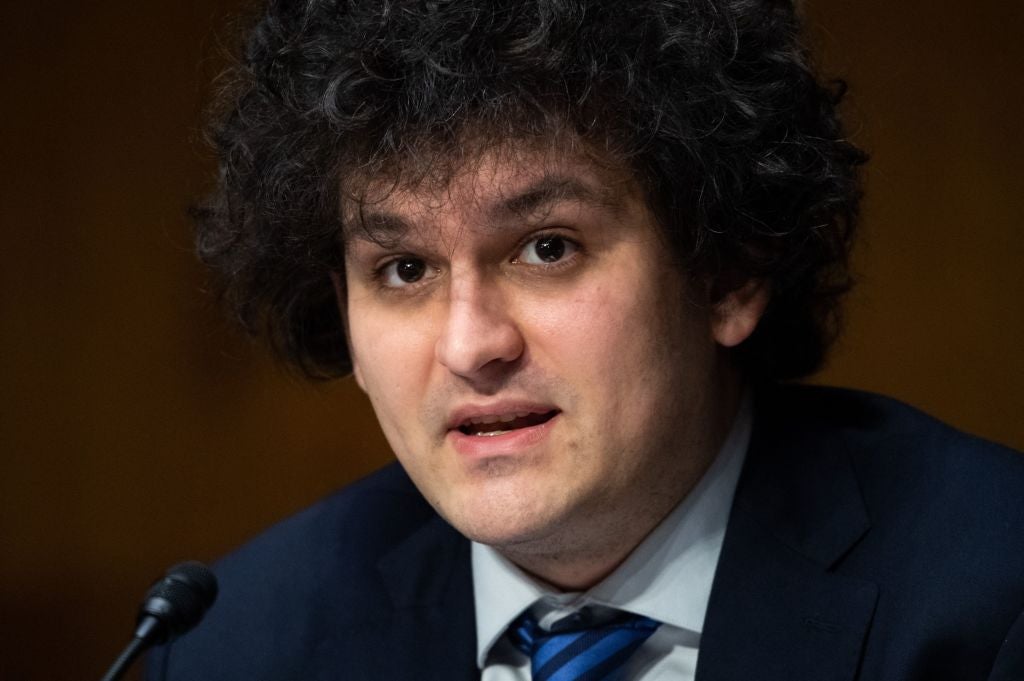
(580, 649)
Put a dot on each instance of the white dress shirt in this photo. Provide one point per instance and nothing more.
(667, 578)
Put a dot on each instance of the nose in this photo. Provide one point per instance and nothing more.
(480, 334)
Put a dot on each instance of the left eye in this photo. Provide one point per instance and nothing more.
(546, 250)
(403, 272)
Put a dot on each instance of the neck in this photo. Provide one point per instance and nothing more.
(573, 570)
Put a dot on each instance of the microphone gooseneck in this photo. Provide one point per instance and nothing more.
(173, 605)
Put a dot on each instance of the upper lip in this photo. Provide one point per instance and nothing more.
(494, 411)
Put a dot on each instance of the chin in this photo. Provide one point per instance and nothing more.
(505, 525)
(509, 508)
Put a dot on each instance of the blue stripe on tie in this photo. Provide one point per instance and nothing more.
(613, 667)
(601, 651)
(579, 647)
(556, 644)
(594, 653)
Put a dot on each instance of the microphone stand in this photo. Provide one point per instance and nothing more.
(143, 638)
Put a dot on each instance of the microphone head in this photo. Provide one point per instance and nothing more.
(176, 603)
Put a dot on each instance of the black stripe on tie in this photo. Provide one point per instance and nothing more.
(571, 652)
(591, 653)
(614, 663)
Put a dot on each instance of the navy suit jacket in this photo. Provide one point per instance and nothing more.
(866, 541)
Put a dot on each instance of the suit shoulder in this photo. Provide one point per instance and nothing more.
(873, 426)
(277, 589)
(912, 470)
(936, 497)
(339, 540)
(367, 516)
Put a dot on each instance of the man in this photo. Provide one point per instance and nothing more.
(570, 250)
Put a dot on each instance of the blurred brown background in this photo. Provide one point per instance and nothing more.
(137, 428)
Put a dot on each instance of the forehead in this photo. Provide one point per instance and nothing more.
(496, 184)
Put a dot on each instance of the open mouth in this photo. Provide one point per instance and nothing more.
(489, 426)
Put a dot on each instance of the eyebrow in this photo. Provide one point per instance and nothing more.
(387, 227)
(380, 227)
(552, 189)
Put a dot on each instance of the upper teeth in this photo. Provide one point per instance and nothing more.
(497, 418)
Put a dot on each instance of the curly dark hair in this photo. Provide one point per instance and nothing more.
(712, 105)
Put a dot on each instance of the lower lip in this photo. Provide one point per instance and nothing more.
(507, 444)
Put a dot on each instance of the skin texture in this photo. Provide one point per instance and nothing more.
(459, 303)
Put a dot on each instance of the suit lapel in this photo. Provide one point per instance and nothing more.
(414, 620)
(432, 631)
(777, 610)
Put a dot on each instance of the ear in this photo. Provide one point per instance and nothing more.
(341, 299)
(735, 316)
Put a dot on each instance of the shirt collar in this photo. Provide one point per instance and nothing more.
(668, 576)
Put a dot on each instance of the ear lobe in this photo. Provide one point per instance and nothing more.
(341, 299)
(735, 316)
(357, 374)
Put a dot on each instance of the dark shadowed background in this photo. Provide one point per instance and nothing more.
(137, 428)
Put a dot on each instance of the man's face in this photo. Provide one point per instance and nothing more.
(535, 359)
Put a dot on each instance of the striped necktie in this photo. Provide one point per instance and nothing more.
(581, 652)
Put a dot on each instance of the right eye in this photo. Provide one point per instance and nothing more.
(402, 272)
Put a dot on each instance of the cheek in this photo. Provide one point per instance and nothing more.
(586, 319)
(392, 362)
(603, 343)
(631, 350)
(611, 328)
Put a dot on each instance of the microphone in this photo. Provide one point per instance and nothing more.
(173, 605)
